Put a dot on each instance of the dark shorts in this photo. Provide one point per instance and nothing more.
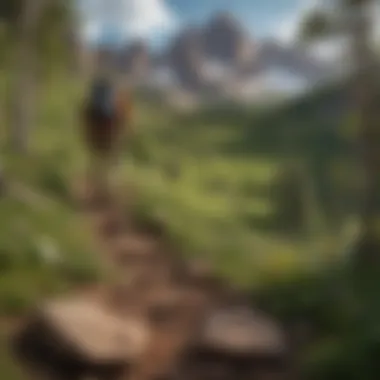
(101, 132)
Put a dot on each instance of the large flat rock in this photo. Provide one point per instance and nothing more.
(242, 330)
(83, 329)
(94, 331)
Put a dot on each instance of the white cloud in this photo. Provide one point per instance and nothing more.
(128, 18)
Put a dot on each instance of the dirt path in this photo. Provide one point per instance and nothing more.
(150, 283)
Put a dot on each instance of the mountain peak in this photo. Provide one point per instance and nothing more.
(224, 18)
(225, 39)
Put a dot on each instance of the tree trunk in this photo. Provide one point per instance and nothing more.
(74, 46)
(23, 91)
(365, 97)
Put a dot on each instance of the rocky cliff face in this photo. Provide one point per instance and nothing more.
(218, 56)
(221, 40)
(226, 40)
(185, 57)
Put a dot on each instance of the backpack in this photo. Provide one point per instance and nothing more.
(102, 98)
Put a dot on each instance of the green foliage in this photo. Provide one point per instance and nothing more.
(41, 251)
(53, 34)
(9, 11)
(316, 25)
(211, 182)
(342, 313)
(225, 200)
(216, 188)
(289, 197)
(50, 39)
(8, 369)
(325, 22)
(44, 248)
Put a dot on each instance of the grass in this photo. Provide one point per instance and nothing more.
(213, 198)
(43, 250)
(44, 247)
(214, 179)
(218, 201)
(8, 369)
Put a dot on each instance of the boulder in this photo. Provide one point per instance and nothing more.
(243, 331)
(237, 342)
(72, 338)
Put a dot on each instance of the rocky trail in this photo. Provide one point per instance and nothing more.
(160, 318)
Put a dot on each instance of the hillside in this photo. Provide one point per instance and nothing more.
(271, 197)
(210, 181)
(222, 168)
(57, 252)
(41, 249)
(252, 191)
(45, 249)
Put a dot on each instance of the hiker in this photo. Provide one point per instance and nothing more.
(107, 120)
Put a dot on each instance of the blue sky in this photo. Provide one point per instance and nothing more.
(156, 20)
(260, 16)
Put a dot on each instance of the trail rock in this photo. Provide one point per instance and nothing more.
(237, 342)
(173, 307)
(76, 337)
(242, 331)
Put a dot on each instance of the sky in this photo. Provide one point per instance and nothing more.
(156, 20)
(117, 21)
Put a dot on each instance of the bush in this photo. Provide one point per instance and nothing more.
(289, 197)
(41, 250)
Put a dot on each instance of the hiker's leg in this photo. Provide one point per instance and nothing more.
(93, 169)
(97, 177)
(103, 174)
(115, 158)
(117, 146)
